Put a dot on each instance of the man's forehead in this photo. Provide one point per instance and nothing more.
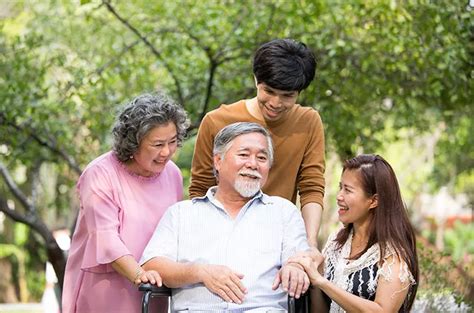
(250, 141)
(248, 147)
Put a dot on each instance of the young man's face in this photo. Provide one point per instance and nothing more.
(274, 103)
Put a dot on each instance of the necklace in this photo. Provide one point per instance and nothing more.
(359, 244)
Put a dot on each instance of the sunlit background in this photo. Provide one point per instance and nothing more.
(394, 78)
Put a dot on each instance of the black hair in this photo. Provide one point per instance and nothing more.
(284, 64)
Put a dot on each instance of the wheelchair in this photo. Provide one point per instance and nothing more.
(151, 291)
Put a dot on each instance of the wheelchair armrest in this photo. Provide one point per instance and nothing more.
(150, 291)
(299, 305)
(155, 290)
(291, 305)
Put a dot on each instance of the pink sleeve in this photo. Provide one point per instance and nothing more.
(102, 217)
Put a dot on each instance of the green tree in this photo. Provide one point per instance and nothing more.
(66, 66)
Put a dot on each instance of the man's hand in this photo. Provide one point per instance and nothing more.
(312, 264)
(224, 282)
(293, 280)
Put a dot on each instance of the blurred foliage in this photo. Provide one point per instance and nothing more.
(440, 275)
(36, 264)
(18, 258)
(183, 159)
(459, 242)
(410, 60)
(454, 167)
(387, 70)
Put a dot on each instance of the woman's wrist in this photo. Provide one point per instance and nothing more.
(319, 282)
(316, 280)
(138, 272)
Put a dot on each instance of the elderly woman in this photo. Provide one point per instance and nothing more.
(123, 195)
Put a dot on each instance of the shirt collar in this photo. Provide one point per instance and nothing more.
(209, 196)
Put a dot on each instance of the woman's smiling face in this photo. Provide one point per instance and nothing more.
(354, 204)
(155, 150)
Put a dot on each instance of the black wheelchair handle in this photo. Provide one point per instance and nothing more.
(155, 290)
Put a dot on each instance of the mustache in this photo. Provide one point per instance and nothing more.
(251, 173)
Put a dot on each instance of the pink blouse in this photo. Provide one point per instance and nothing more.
(118, 214)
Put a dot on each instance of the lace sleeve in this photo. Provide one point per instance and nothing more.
(387, 271)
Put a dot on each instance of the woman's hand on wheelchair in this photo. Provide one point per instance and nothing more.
(150, 276)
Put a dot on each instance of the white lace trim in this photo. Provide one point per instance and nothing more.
(343, 268)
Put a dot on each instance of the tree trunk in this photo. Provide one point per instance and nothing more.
(55, 255)
(7, 289)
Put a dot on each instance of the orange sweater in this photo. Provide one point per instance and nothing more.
(298, 140)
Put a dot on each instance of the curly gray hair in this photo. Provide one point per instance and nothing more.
(140, 116)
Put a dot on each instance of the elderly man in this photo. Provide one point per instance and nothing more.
(227, 251)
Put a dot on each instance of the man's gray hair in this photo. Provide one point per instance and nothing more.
(226, 135)
(140, 116)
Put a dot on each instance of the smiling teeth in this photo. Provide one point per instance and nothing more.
(250, 176)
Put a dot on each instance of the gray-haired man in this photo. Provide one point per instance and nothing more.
(228, 250)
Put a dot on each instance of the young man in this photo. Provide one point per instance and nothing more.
(282, 69)
(228, 250)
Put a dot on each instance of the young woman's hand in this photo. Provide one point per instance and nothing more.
(311, 266)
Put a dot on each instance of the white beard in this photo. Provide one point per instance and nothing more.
(247, 188)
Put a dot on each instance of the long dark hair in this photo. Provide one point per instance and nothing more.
(389, 224)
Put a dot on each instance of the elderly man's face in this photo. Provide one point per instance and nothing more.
(244, 167)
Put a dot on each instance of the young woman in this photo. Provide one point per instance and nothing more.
(371, 263)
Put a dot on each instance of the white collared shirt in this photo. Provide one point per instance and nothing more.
(256, 243)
